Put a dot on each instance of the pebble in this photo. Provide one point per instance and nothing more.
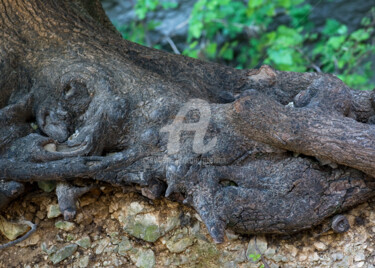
(359, 257)
(320, 246)
(84, 242)
(84, 262)
(53, 211)
(65, 225)
(63, 253)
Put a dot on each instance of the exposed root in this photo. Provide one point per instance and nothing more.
(67, 196)
(9, 191)
(22, 238)
(340, 224)
(261, 255)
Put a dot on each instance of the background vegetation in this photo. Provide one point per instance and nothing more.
(244, 34)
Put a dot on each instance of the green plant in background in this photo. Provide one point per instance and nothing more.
(244, 35)
(341, 53)
(255, 258)
(137, 31)
(139, 28)
(236, 20)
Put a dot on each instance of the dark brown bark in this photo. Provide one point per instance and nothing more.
(78, 102)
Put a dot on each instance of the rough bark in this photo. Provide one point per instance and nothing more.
(78, 102)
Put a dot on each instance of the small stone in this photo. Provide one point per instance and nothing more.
(359, 257)
(47, 186)
(231, 235)
(345, 262)
(284, 259)
(114, 235)
(145, 222)
(31, 209)
(87, 200)
(360, 264)
(145, 259)
(50, 250)
(84, 262)
(338, 256)
(277, 258)
(12, 230)
(114, 238)
(111, 248)
(144, 228)
(230, 264)
(172, 222)
(114, 206)
(313, 257)
(69, 237)
(50, 147)
(65, 225)
(59, 238)
(34, 239)
(84, 219)
(261, 245)
(269, 253)
(239, 256)
(40, 215)
(302, 257)
(34, 126)
(84, 242)
(115, 261)
(292, 250)
(135, 208)
(320, 246)
(180, 245)
(53, 211)
(198, 217)
(124, 246)
(195, 229)
(102, 245)
(290, 104)
(63, 253)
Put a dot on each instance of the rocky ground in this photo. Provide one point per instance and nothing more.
(116, 229)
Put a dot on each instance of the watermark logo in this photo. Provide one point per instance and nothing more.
(200, 127)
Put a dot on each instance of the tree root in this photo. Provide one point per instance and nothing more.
(18, 240)
(101, 110)
(261, 254)
(67, 196)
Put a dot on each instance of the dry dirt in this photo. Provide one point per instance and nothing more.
(116, 229)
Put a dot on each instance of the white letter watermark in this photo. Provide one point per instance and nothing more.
(199, 127)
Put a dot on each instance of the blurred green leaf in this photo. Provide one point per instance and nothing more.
(360, 35)
(333, 27)
(244, 35)
(254, 3)
(211, 50)
(169, 5)
(336, 41)
(281, 57)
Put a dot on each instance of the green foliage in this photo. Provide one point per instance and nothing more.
(138, 29)
(142, 7)
(341, 53)
(251, 37)
(255, 258)
(236, 20)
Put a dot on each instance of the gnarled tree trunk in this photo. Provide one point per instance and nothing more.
(260, 151)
